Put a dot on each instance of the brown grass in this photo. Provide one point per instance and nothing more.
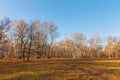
(59, 69)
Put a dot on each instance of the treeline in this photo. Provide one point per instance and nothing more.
(22, 40)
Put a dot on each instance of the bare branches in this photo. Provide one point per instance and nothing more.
(37, 39)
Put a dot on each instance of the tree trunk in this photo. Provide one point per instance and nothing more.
(23, 56)
(28, 57)
(49, 52)
(38, 55)
(29, 51)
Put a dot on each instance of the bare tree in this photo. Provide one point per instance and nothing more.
(95, 45)
(21, 34)
(79, 44)
(4, 27)
(53, 34)
(37, 38)
(112, 47)
(30, 39)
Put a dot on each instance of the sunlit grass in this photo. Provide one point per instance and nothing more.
(62, 69)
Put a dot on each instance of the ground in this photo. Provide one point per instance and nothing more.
(61, 69)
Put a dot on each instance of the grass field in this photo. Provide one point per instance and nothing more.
(61, 69)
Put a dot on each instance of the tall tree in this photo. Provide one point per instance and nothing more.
(95, 45)
(4, 27)
(53, 34)
(21, 35)
(30, 39)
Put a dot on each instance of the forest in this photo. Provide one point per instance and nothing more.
(35, 39)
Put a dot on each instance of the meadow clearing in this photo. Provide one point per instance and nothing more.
(61, 69)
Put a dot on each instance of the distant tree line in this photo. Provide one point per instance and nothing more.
(22, 40)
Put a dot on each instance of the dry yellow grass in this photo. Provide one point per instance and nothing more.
(60, 69)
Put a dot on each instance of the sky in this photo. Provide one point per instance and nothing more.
(85, 16)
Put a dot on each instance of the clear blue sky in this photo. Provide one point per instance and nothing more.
(86, 16)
